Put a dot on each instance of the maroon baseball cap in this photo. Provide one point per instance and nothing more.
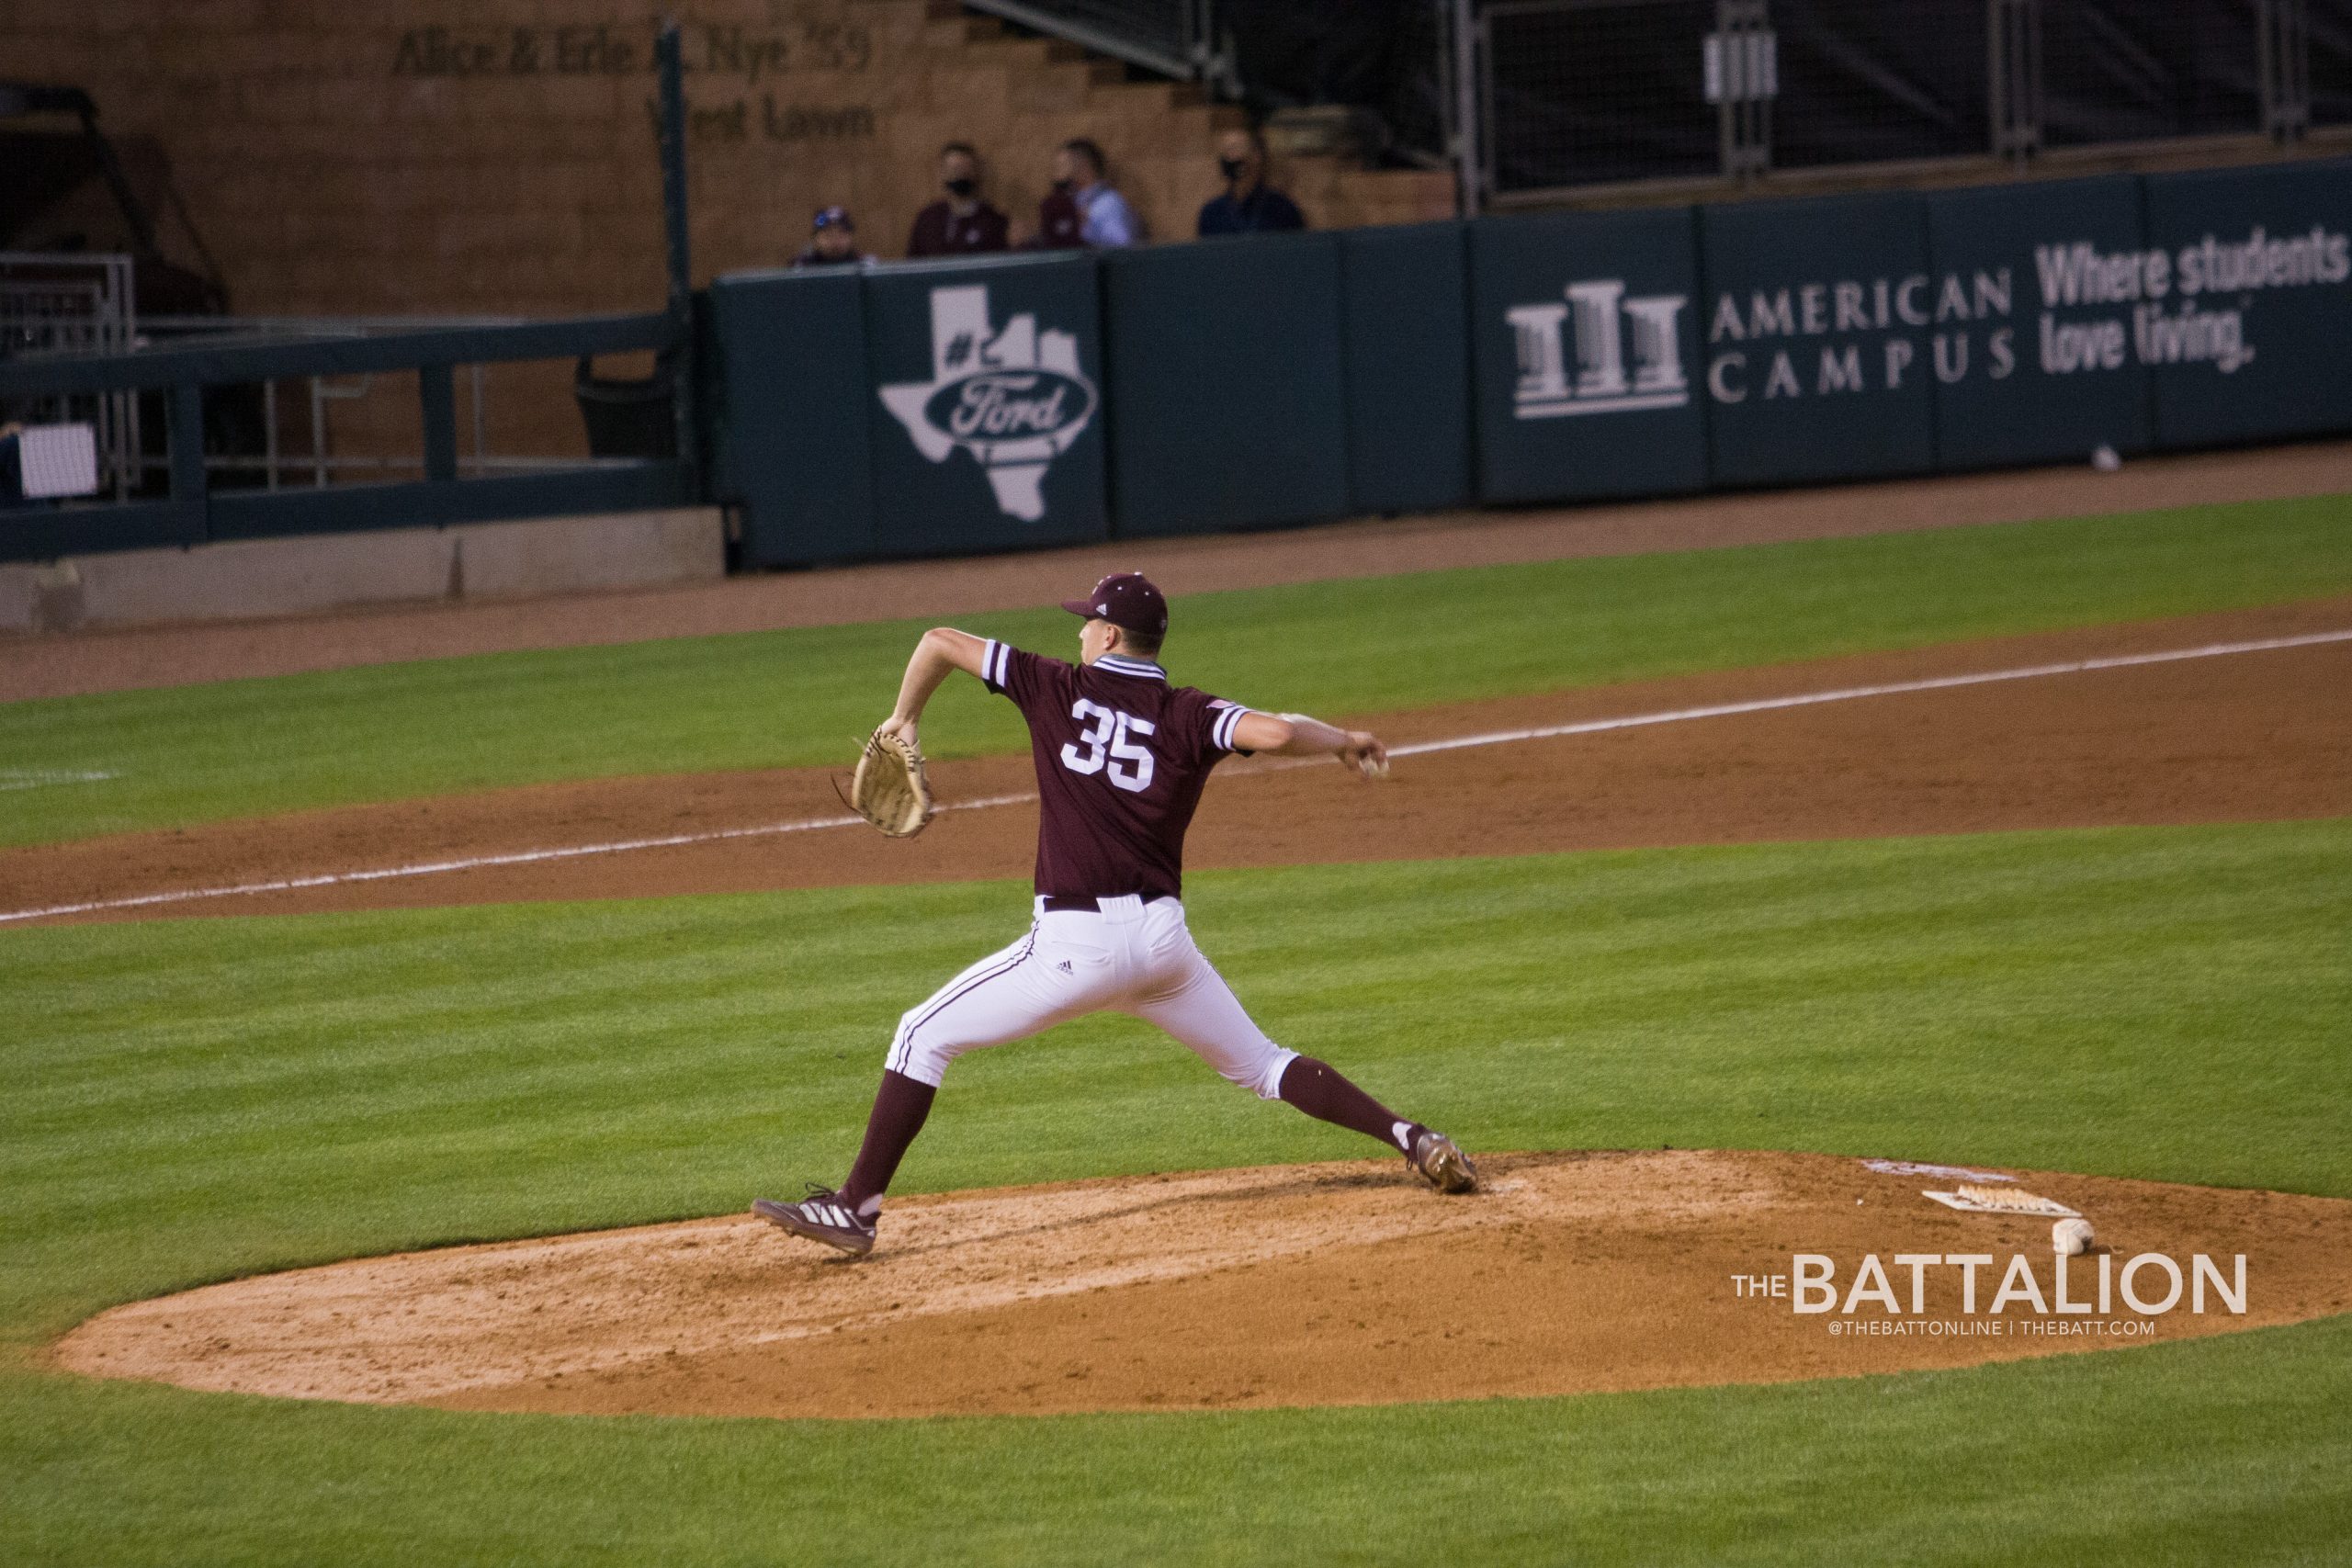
(1125, 599)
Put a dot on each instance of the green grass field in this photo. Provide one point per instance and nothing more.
(249, 747)
(195, 1099)
(188, 1100)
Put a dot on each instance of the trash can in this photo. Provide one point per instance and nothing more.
(629, 417)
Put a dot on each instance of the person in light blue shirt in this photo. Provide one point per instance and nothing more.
(1105, 221)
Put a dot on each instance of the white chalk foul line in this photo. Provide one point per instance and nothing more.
(1892, 688)
(475, 862)
(37, 778)
(1492, 738)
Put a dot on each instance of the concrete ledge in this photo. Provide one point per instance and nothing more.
(20, 596)
(626, 549)
(242, 578)
(257, 579)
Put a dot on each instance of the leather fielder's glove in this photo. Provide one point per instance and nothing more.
(891, 790)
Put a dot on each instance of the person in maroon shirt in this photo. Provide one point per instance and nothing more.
(1059, 223)
(962, 223)
(1121, 755)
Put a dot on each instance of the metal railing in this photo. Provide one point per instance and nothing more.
(451, 489)
(318, 461)
(75, 302)
(1177, 39)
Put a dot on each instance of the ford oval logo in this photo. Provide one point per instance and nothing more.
(1008, 405)
(1014, 397)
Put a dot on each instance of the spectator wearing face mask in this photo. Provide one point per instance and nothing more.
(1250, 206)
(961, 224)
(832, 241)
(1083, 208)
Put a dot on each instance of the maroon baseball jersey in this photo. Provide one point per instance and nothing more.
(938, 232)
(1060, 224)
(1121, 758)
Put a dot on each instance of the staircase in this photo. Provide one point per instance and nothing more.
(1158, 136)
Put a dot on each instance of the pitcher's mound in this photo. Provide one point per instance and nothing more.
(1286, 1285)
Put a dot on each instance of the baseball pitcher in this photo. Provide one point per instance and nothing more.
(1120, 756)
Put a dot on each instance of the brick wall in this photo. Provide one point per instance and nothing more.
(498, 156)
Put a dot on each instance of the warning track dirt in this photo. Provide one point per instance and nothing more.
(2204, 719)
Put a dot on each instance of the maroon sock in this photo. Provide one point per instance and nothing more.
(1316, 1089)
(900, 1107)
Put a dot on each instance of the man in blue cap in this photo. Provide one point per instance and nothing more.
(832, 240)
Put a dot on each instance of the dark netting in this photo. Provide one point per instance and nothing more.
(1310, 52)
(2129, 71)
(1864, 82)
(1583, 92)
(1600, 92)
(1414, 93)
(1383, 55)
(2331, 37)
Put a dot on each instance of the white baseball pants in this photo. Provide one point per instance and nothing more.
(1130, 957)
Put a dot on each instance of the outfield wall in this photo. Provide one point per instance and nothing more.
(944, 409)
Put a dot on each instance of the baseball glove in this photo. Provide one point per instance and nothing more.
(891, 790)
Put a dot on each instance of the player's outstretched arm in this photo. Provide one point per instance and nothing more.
(942, 651)
(1295, 735)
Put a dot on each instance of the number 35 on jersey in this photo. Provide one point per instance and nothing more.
(1104, 746)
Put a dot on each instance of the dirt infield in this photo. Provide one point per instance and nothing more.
(2245, 737)
(1289, 1285)
(64, 664)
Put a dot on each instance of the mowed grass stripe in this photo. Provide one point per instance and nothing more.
(796, 697)
(192, 1100)
(295, 1090)
(2235, 1449)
